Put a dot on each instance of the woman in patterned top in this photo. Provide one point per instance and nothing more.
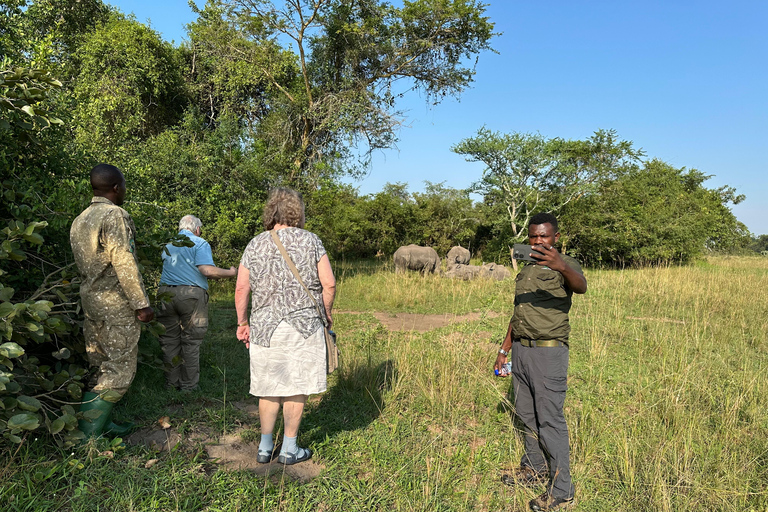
(284, 334)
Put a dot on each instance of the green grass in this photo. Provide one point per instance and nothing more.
(667, 406)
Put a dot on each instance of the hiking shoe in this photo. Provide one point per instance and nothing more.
(524, 476)
(545, 503)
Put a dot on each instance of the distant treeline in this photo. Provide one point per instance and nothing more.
(207, 127)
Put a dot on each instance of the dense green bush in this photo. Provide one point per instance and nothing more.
(656, 214)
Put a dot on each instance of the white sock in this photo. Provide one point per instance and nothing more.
(266, 443)
(289, 446)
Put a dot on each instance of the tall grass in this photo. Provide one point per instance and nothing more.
(667, 406)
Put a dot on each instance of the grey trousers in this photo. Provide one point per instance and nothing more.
(185, 319)
(539, 376)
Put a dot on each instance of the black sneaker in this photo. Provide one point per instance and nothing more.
(545, 503)
(524, 476)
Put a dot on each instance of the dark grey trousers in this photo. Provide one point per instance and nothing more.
(185, 320)
(539, 375)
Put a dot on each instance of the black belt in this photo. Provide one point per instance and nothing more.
(528, 342)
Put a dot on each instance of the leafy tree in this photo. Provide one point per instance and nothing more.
(443, 217)
(338, 93)
(759, 244)
(128, 87)
(528, 173)
(656, 214)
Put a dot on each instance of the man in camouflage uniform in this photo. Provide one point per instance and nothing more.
(537, 345)
(112, 293)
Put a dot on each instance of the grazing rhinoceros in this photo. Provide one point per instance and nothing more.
(494, 271)
(461, 271)
(415, 257)
(457, 255)
(488, 271)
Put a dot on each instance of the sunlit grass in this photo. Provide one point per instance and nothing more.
(667, 405)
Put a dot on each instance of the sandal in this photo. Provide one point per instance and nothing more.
(265, 457)
(292, 458)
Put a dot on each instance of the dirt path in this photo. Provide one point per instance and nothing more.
(421, 322)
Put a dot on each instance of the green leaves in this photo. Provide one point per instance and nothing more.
(10, 349)
(23, 421)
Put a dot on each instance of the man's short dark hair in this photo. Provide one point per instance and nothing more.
(105, 176)
(543, 218)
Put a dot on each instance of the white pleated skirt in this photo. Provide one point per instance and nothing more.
(291, 365)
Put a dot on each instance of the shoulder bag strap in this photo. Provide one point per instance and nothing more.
(295, 271)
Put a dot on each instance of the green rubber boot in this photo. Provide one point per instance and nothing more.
(112, 429)
(95, 427)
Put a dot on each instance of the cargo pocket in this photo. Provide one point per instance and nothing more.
(556, 384)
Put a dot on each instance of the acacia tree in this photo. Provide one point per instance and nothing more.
(527, 173)
(350, 57)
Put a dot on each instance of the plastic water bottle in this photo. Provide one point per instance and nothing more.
(506, 369)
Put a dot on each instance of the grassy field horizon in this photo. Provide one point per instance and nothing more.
(667, 405)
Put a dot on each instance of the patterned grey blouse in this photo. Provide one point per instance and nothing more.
(276, 295)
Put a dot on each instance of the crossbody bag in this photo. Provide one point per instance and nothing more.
(331, 350)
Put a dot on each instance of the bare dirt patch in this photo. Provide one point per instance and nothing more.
(422, 322)
(229, 452)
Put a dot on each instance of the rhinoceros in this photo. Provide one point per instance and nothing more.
(488, 271)
(415, 257)
(461, 271)
(457, 255)
(494, 271)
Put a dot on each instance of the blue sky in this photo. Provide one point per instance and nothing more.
(685, 81)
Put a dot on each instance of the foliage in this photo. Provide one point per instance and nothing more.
(759, 244)
(349, 57)
(128, 87)
(656, 214)
(353, 226)
(22, 110)
(528, 173)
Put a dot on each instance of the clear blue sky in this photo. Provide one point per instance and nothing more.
(687, 81)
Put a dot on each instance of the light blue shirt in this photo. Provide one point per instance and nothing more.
(180, 266)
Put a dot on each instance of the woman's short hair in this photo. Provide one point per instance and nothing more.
(190, 223)
(284, 206)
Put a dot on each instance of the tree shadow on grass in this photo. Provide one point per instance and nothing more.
(353, 402)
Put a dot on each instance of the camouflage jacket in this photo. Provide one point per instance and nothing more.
(542, 302)
(102, 239)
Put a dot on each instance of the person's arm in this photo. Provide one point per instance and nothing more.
(506, 346)
(328, 281)
(116, 237)
(214, 272)
(204, 263)
(551, 257)
(242, 293)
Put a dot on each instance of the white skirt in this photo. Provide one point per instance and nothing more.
(291, 365)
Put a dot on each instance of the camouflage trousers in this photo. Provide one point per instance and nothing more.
(113, 350)
(185, 319)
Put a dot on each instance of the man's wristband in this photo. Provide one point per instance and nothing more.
(503, 352)
(242, 324)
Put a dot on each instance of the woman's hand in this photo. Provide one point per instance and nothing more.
(244, 335)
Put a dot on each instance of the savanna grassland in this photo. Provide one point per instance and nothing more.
(667, 406)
